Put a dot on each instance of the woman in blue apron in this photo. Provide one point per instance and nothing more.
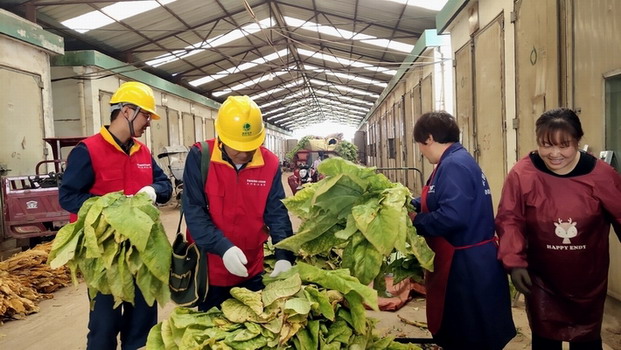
(468, 301)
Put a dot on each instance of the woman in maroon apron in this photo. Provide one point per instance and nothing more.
(468, 302)
(554, 220)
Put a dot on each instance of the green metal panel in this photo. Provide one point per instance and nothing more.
(26, 31)
(448, 13)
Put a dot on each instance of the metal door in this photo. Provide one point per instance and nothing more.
(104, 109)
(390, 143)
(417, 111)
(536, 67)
(21, 141)
(188, 129)
(464, 98)
(210, 131)
(174, 133)
(159, 134)
(426, 93)
(408, 149)
(198, 128)
(399, 141)
(489, 108)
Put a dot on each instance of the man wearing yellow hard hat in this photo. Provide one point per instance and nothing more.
(233, 213)
(110, 161)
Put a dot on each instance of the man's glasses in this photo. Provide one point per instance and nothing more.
(147, 115)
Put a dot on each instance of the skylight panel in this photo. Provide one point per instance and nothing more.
(107, 15)
(211, 43)
(327, 101)
(391, 44)
(346, 76)
(275, 110)
(434, 5)
(356, 100)
(343, 88)
(346, 62)
(349, 35)
(277, 89)
(246, 84)
(240, 68)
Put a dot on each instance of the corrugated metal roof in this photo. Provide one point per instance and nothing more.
(174, 27)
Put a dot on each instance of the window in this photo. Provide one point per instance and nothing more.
(392, 149)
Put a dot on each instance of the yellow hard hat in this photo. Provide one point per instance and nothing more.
(137, 94)
(239, 124)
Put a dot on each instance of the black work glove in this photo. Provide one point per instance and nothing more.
(521, 280)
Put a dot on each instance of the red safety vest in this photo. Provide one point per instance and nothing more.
(114, 169)
(236, 205)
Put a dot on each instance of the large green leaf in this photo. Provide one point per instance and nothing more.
(301, 203)
(323, 305)
(340, 332)
(323, 243)
(248, 298)
(300, 306)
(337, 194)
(59, 257)
(155, 254)
(357, 312)
(421, 250)
(309, 336)
(339, 280)
(379, 223)
(130, 222)
(349, 229)
(362, 259)
(281, 289)
(154, 339)
(310, 230)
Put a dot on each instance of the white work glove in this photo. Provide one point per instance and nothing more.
(150, 191)
(280, 267)
(234, 260)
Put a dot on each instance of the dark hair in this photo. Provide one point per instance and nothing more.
(114, 114)
(555, 121)
(441, 125)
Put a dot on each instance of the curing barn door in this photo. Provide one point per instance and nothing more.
(159, 135)
(21, 142)
(210, 130)
(189, 135)
(464, 105)
(408, 148)
(489, 109)
(426, 93)
(417, 155)
(173, 127)
(536, 67)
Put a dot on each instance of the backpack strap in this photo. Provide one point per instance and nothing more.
(205, 155)
(205, 159)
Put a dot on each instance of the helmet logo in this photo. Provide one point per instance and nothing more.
(246, 128)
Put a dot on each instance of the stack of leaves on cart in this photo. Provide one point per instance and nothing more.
(363, 213)
(305, 308)
(116, 243)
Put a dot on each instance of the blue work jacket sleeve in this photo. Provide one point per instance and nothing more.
(454, 197)
(204, 232)
(276, 217)
(77, 180)
(161, 183)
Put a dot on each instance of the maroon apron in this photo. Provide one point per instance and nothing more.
(436, 281)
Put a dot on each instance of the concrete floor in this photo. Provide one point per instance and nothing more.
(62, 321)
